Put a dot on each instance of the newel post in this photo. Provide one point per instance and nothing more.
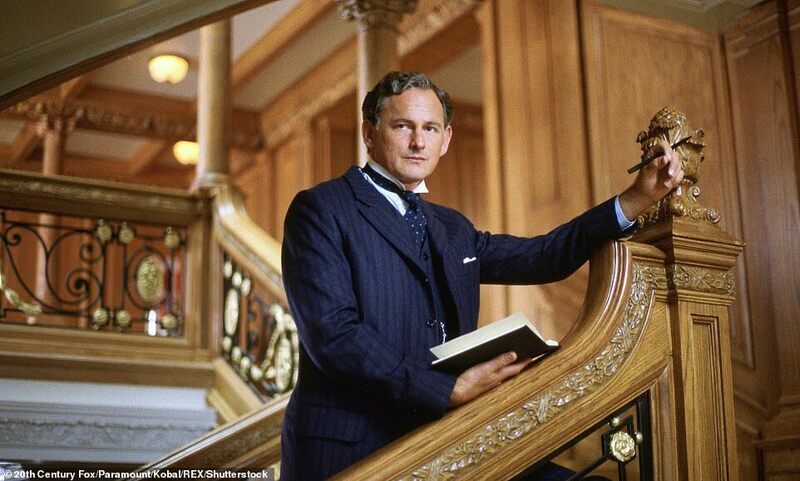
(700, 275)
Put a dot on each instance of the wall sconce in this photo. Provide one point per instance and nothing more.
(186, 152)
(168, 68)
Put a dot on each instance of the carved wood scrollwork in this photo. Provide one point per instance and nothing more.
(702, 279)
(548, 405)
(671, 125)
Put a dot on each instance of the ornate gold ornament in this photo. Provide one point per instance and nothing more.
(256, 374)
(231, 313)
(100, 317)
(126, 234)
(236, 353)
(227, 269)
(622, 446)
(150, 279)
(671, 125)
(282, 360)
(236, 279)
(171, 238)
(702, 279)
(246, 285)
(169, 322)
(103, 231)
(123, 318)
(227, 343)
(13, 297)
(502, 433)
(244, 365)
(376, 13)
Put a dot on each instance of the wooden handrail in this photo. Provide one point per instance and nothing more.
(79, 197)
(245, 241)
(598, 368)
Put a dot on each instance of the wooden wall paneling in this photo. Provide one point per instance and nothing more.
(542, 146)
(254, 183)
(294, 171)
(494, 299)
(684, 67)
(336, 135)
(764, 114)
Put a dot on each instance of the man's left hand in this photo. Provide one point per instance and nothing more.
(654, 181)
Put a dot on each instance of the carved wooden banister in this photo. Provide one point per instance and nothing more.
(654, 326)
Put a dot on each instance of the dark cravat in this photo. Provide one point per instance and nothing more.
(414, 215)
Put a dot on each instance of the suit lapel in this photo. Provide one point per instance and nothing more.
(453, 269)
(383, 216)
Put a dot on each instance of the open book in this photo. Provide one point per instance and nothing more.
(514, 333)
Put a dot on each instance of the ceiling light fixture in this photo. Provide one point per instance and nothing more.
(186, 152)
(168, 68)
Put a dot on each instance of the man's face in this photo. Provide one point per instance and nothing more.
(410, 135)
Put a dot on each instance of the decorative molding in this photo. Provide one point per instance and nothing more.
(376, 13)
(438, 17)
(328, 98)
(98, 433)
(702, 279)
(103, 119)
(503, 433)
(424, 28)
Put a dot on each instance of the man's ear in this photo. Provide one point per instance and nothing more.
(368, 134)
(448, 134)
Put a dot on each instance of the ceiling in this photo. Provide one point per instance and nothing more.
(251, 93)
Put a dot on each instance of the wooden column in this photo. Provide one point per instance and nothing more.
(377, 44)
(700, 268)
(213, 105)
(53, 129)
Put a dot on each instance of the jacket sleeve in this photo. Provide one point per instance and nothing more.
(507, 259)
(318, 281)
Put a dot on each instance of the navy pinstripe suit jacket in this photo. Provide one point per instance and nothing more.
(360, 296)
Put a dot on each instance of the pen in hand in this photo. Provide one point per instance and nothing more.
(646, 161)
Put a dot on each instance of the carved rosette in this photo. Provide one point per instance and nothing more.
(546, 406)
(671, 125)
(376, 13)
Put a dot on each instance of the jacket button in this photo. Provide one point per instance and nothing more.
(426, 280)
(431, 322)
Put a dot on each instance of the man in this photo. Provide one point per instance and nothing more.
(375, 277)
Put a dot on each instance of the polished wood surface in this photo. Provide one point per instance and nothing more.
(764, 119)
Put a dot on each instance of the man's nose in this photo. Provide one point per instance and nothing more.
(418, 139)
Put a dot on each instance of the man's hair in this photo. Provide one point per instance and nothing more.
(395, 83)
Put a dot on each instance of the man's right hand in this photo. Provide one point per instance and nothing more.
(484, 376)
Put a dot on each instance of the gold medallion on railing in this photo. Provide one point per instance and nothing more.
(231, 315)
(171, 238)
(150, 279)
(123, 318)
(623, 447)
(100, 317)
(169, 322)
(126, 234)
(103, 231)
(227, 343)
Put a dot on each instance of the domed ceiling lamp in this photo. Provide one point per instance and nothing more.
(186, 152)
(168, 68)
